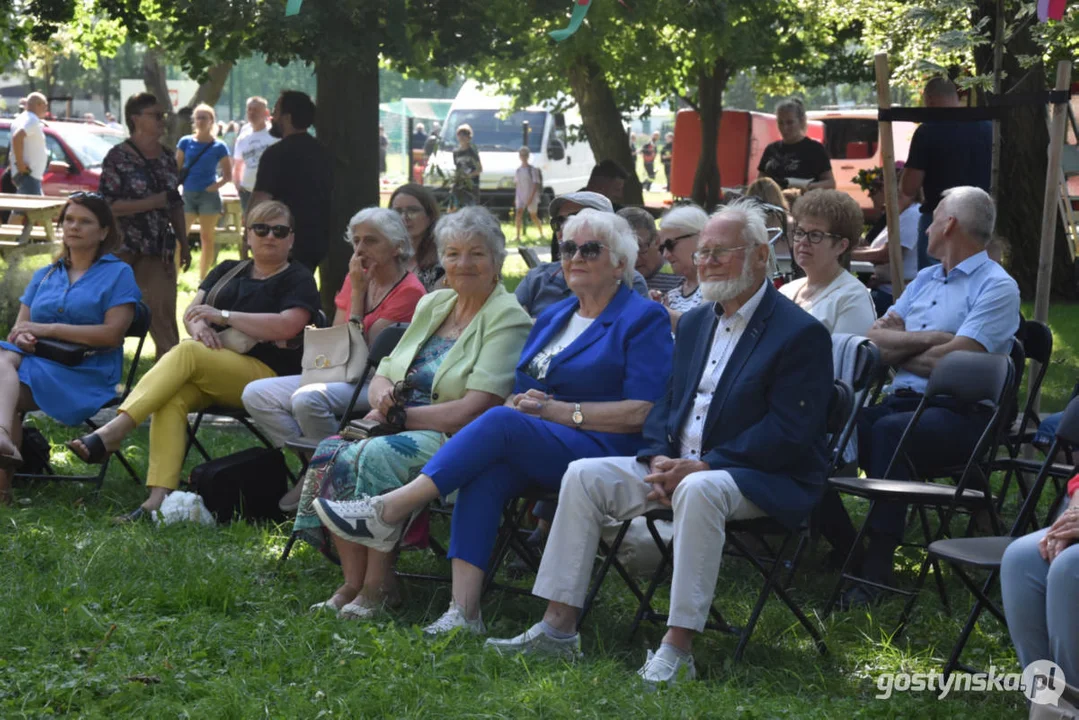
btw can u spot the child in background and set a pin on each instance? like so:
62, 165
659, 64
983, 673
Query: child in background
529, 182
467, 161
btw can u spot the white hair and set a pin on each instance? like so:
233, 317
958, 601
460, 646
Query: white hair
611, 230
754, 234
472, 222
684, 217
389, 225
973, 210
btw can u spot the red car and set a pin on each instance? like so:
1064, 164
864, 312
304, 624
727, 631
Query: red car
75, 155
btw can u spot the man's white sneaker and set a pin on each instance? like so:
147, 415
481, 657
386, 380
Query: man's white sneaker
455, 618
535, 641
359, 521
665, 667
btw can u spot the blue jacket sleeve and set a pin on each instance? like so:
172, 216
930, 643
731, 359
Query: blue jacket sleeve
648, 355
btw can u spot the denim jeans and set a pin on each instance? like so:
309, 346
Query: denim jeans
1039, 603
27, 184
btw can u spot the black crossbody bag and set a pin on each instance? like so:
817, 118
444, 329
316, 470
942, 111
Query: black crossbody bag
62, 351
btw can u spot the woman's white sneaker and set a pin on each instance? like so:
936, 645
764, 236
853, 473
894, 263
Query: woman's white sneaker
455, 618
359, 521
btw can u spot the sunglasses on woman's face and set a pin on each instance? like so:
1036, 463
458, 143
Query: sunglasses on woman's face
279, 231
669, 244
589, 251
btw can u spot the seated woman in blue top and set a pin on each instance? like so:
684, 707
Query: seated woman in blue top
86, 296
591, 369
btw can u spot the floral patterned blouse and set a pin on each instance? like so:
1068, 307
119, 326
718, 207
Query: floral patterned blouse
126, 176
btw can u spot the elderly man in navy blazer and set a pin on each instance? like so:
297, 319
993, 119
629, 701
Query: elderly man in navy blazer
740, 434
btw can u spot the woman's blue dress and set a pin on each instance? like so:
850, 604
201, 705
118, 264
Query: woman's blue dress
72, 394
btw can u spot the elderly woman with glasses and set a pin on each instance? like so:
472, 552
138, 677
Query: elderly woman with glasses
377, 292
680, 229
455, 360
241, 321
827, 223
591, 370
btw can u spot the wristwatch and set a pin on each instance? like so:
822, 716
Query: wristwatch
225, 315
577, 416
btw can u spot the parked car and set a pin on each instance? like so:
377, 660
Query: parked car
75, 154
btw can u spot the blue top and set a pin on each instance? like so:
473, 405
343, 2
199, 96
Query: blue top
951, 154
625, 354
72, 394
978, 299
204, 173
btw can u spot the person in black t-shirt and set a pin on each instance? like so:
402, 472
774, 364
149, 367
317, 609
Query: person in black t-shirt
298, 171
466, 159
796, 160
242, 323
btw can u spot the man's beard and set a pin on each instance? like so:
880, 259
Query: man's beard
721, 291
275, 129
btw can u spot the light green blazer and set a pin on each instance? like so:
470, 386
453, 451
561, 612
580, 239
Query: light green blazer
483, 358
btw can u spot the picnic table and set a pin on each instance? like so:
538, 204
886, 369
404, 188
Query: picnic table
39, 233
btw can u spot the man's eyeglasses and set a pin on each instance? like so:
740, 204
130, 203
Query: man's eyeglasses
410, 213
815, 237
669, 244
589, 251
559, 221
279, 231
715, 254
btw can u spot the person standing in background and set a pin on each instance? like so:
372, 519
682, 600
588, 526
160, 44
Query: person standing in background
29, 158
383, 149
648, 154
199, 156
666, 155
529, 182
466, 158
252, 142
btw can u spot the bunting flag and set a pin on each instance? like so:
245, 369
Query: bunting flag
1051, 10
580, 9
293, 7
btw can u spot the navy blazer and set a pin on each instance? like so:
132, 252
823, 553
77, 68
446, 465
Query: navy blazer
767, 421
624, 355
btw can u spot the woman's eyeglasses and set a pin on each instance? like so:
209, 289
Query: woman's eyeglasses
410, 213
589, 251
715, 254
279, 231
815, 237
669, 244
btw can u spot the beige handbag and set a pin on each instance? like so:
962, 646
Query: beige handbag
334, 354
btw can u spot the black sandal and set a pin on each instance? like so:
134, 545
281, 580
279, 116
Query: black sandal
139, 514
96, 453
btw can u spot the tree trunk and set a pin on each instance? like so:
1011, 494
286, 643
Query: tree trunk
711, 82
1023, 162
603, 122
179, 123
347, 124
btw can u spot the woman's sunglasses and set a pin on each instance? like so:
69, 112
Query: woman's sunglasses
279, 231
669, 244
589, 251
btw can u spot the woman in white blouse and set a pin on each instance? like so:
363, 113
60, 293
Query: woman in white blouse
827, 223
680, 230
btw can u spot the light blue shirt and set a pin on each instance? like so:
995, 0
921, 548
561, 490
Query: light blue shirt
978, 299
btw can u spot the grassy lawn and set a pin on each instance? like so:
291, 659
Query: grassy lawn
102, 621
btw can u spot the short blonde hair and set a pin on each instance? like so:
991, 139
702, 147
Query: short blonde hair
203, 107
269, 210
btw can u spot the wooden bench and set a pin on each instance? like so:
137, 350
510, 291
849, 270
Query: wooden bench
232, 215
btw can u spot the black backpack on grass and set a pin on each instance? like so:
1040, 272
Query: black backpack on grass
247, 484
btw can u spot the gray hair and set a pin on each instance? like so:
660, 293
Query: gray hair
684, 217
973, 210
794, 105
640, 220
611, 230
754, 229
389, 225
468, 223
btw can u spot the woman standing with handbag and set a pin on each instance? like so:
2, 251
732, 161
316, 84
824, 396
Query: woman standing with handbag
242, 316
200, 156
378, 291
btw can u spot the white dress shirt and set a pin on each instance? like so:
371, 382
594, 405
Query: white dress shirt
728, 332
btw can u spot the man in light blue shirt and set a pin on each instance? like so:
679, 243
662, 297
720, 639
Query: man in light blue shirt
967, 302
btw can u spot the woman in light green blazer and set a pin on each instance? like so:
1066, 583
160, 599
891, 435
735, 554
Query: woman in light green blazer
455, 361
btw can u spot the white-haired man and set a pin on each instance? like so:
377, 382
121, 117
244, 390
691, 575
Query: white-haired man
739, 434
967, 302
29, 156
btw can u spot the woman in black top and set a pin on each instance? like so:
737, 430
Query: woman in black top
241, 323
796, 161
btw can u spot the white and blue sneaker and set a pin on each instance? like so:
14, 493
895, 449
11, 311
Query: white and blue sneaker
359, 521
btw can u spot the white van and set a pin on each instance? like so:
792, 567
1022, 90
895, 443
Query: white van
498, 135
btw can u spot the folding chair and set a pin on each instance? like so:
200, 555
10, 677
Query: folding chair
511, 538
383, 345
969, 379
986, 553
530, 256
139, 328
841, 409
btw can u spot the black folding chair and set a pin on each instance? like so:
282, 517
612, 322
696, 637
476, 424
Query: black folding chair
530, 257
986, 553
381, 348
771, 567
139, 328
971, 380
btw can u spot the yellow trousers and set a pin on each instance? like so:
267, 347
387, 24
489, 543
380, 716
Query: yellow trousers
187, 379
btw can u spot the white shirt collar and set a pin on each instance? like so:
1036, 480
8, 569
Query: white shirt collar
746, 311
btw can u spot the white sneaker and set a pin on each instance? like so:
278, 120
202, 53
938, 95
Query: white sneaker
664, 667
356, 610
534, 641
455, 618
359, 521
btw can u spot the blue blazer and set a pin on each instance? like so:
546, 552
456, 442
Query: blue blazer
624, 355
767, 422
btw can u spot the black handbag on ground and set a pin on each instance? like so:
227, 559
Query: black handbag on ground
35, 452
247, 484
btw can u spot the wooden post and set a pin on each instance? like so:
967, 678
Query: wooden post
891, 187
998, 71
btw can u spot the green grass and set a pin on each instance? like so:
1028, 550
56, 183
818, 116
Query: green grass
102, 621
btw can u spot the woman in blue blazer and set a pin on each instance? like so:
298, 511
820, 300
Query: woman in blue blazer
591, 369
